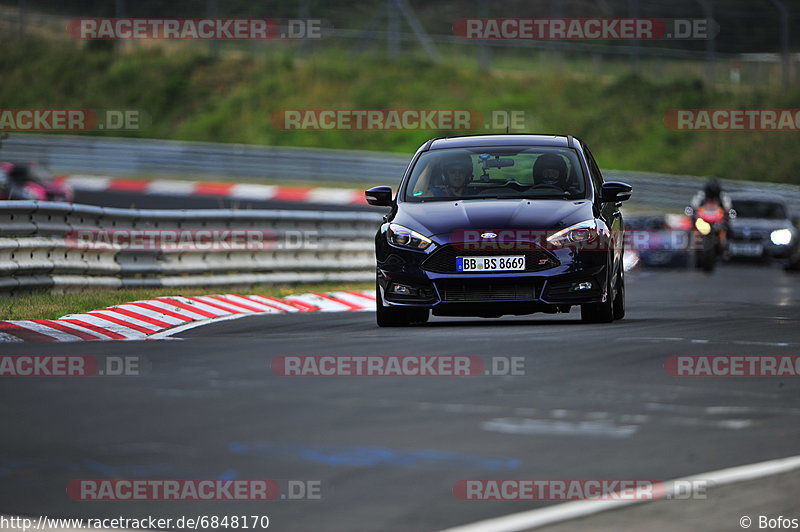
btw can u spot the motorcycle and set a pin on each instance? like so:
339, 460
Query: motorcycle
32, 182
708, 235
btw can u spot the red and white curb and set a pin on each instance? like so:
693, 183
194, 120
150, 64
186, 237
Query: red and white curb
141, 320
243, 191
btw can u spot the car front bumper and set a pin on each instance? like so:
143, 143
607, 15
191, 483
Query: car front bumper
566, 277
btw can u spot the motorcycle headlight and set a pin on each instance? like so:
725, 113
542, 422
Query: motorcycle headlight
406, 238
781, 237
703, 226
579, 233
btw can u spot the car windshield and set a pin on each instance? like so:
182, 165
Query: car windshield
501, 173
769, 210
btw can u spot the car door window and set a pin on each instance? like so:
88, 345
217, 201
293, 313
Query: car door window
594, 171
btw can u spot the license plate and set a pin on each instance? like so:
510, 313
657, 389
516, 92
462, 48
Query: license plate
490, 264
746, 250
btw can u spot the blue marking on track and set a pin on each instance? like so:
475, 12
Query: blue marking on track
360, 456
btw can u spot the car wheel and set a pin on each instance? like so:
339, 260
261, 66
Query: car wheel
599, 312
619, 298
397, 317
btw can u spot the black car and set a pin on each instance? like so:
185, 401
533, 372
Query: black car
761, 228
489, 225
657, 243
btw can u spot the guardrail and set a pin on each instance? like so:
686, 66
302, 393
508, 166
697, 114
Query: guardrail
56, 245
126, 157
119, 156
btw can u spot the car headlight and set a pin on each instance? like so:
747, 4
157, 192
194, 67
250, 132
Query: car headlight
703, 226
406, 238
781, 237
579, 233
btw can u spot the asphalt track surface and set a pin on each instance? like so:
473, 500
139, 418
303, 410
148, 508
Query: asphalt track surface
594, 402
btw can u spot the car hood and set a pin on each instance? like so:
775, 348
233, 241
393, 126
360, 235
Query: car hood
442, 217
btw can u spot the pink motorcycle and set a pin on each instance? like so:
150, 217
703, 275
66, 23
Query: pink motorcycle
32, 182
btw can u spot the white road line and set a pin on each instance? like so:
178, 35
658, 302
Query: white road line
559, 513
656, 340
553, 427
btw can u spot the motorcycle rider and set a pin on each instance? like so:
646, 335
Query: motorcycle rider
14, 183
712, 191
712, 195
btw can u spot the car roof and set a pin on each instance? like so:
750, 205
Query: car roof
503, 139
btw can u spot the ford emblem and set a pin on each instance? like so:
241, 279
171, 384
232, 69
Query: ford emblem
488, 235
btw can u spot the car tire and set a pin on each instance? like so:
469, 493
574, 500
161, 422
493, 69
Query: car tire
397, 317
599, 312
619, 298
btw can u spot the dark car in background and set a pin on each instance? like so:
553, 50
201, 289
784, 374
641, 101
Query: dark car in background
658, 240
762, 228
490, 225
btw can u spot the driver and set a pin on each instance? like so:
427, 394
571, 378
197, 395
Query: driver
550, 169
457, 173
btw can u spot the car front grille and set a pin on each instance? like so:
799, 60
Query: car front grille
483, 291
443, 260
748, 236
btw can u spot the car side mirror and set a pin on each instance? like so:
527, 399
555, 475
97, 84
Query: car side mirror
615, 191
379, 196
796, 221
